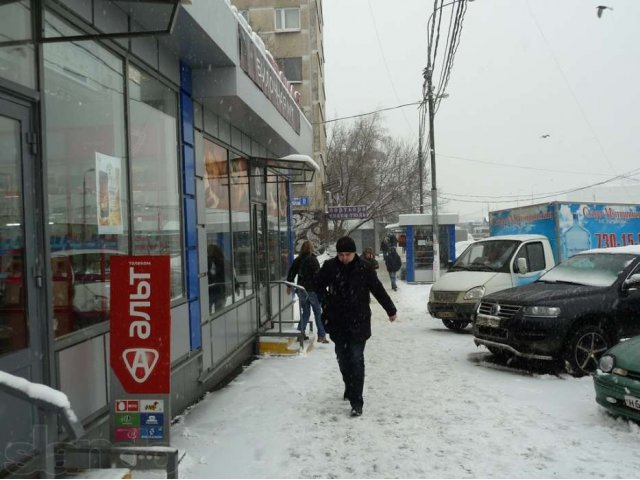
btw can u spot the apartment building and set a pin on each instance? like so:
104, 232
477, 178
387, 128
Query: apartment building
292, 31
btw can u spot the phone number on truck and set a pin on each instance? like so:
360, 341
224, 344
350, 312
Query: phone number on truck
617, 240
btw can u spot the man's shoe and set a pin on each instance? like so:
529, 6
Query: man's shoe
323, 340
356, 411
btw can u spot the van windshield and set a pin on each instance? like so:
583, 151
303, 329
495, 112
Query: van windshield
491, 256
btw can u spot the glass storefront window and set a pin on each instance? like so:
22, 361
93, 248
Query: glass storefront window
13, 318
283, 228
220, 273
87, 181
17, 52
240, 226
272, 230
153, 110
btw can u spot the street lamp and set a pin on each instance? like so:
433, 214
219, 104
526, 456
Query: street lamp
427, 92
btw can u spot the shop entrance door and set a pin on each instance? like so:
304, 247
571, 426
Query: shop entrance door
22, 333
261, 262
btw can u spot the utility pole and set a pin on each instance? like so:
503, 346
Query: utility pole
434, 190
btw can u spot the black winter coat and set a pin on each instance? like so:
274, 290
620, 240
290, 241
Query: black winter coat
393, 261
345, 308
306, 268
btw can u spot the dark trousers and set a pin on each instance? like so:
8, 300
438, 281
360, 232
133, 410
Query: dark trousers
350, 355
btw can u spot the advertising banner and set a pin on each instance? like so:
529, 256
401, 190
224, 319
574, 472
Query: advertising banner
108, 193
140, 355
572, 227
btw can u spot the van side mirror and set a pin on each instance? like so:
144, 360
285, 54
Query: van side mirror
633, 281
521, 265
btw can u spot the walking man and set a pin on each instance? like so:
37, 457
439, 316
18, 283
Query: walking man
393, 263
348, 281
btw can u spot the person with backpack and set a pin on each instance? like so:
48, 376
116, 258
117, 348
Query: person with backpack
306, 267
393, 263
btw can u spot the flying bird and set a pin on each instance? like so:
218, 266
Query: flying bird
546, 135
601, 8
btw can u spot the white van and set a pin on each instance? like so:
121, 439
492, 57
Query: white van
487, 266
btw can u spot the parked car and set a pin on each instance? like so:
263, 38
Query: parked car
574, 313
617, 383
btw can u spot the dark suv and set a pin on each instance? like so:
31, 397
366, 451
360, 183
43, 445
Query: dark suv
573, 313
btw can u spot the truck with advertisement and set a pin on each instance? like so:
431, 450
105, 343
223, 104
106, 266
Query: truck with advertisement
524, 242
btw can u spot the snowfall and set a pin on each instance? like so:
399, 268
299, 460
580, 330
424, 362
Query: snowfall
436, 406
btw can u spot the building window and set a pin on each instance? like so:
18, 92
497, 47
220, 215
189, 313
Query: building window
240, 227
292, 68
153, 109
86, 173
17, 61
287, 19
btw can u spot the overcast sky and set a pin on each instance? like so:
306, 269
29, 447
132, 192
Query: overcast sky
524, 69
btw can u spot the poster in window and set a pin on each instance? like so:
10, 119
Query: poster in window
108, 193
216, 181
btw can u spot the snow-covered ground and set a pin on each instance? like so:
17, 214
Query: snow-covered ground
435, 406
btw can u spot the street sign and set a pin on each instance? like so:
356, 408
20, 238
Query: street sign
140, 355
346, 213
299, 201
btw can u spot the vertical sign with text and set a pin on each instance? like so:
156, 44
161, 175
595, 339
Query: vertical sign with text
140, 355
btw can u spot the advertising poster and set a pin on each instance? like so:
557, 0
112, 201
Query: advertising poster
140, 350
216, 180
534, 220
108, 194
596, 225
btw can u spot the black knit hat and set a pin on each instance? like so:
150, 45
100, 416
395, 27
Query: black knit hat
345, 244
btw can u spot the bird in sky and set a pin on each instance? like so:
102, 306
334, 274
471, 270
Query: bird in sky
602, 8
546, 135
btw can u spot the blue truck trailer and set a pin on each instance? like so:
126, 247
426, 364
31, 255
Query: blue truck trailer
572, 227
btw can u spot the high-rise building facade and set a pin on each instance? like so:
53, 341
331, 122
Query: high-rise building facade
292, 30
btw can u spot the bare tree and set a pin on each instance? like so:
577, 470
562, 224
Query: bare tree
365, 166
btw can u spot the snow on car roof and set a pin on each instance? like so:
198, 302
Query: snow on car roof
632, 249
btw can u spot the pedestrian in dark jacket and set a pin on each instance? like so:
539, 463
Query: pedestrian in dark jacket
348, 281
393, 263
306, 267
369, 257
384, 247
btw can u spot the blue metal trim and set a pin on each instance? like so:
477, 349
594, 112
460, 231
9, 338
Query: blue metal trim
410, 267
186, 110
185, 78
189, 204
191, 234
189, 173
195, 332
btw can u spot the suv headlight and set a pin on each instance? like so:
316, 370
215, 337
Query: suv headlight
536, 311
607, 362
476, 293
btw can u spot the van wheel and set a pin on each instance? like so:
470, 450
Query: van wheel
585, 347
457, 325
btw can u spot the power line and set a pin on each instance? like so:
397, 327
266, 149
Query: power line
542, 196
487, 162
368, 113
384, 60
566, 81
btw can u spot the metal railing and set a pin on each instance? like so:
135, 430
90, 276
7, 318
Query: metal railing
279, 332
44, 399
47, 456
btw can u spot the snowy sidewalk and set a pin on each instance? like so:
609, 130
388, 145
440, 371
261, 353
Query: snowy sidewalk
435, 406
